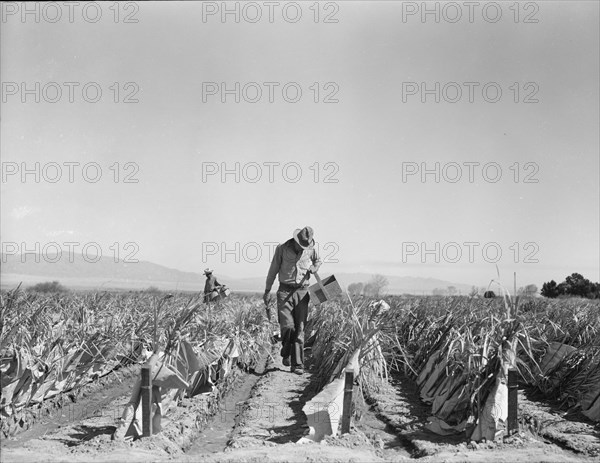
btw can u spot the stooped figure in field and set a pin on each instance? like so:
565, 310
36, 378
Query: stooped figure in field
212, 287
293, 261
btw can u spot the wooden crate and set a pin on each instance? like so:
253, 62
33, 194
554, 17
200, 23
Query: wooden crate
332, 288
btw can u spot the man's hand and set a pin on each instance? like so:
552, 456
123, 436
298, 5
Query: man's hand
313, 269
267, 297
267, 301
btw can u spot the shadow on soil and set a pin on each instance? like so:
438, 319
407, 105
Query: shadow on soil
84, 433
551, 421
408, 421
260, 373
298, 425
555, 408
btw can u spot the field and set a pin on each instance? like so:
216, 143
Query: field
431, 379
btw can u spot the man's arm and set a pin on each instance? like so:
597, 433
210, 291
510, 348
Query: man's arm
274, 268
273, 271
316, 262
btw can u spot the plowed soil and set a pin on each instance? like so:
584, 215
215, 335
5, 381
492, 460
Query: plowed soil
260, 419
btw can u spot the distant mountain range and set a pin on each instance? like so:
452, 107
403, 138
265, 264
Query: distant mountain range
107, 274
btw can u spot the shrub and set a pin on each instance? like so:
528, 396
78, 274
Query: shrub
49, 287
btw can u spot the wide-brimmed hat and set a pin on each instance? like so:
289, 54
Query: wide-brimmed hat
207, 271
304, 237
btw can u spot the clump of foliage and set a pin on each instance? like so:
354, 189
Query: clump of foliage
375, 288
49, 287
574, 285
152, 290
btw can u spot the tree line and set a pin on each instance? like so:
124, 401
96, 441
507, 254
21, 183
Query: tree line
373, 288
573, 285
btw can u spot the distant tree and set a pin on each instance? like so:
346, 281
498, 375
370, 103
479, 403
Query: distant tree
152, 290
49, 287
451, 290
577, 285
354, 289
521, 291
378, 283
438, 292
369, 290
529, 290
550, 289
563, 289
595, 291
574, 285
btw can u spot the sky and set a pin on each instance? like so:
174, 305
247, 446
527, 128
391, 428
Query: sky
191, 178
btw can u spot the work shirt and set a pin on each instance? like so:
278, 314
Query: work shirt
290, 266
211, 283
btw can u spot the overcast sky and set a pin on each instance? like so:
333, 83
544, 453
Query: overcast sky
377, 67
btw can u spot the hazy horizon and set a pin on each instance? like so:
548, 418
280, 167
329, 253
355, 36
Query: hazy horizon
105, 273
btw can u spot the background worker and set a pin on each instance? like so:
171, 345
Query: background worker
211, 285
293, 261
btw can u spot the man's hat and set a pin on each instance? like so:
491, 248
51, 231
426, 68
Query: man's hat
207, 271
304, 237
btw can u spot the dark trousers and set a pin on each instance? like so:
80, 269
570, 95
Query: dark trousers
292, 315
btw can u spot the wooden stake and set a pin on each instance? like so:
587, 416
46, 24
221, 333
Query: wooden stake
155, 337
513, 406
146, 395
516, 296
347, 407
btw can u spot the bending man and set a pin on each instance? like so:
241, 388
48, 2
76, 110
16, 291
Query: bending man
293, 261
211, 285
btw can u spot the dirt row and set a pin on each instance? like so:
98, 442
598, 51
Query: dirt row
398, 404
84, 431
271, 425
257, 416
568, 429
70, 406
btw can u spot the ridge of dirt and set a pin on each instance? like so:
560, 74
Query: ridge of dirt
577, 434
89, 437
215, 435
271, 424
70, 406
399, 404
273, 414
